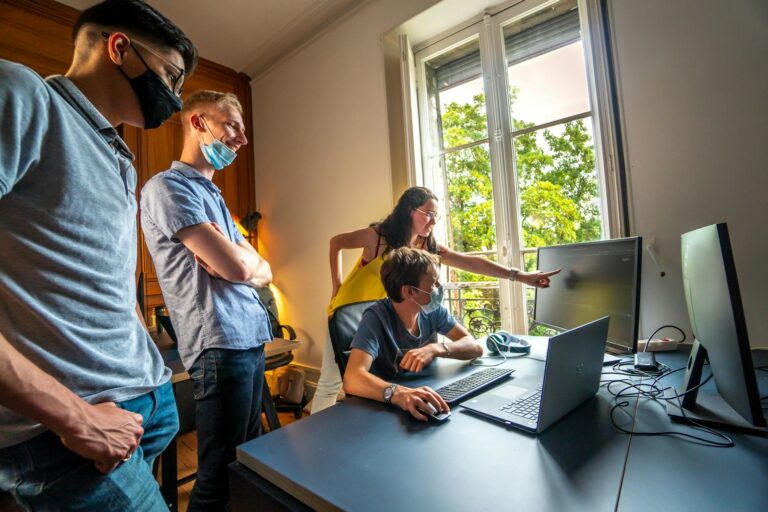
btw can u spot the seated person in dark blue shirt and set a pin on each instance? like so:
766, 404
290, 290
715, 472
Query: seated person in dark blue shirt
397, 334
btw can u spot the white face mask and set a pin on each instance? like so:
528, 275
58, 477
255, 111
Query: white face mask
435, 299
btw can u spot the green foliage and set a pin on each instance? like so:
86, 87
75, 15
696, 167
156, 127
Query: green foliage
557, 188
557, 183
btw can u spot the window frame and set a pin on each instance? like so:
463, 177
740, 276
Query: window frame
489, 31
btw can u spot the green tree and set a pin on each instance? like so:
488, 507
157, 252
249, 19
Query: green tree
557, 187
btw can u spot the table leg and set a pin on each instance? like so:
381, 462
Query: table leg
268, 406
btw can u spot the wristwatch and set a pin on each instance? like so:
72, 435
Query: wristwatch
445, 346
389, 392
513, 273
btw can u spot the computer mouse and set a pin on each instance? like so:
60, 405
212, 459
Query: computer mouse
436, 415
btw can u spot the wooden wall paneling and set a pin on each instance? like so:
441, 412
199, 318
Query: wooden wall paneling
37, 34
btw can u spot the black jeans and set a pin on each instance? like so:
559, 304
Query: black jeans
227, 387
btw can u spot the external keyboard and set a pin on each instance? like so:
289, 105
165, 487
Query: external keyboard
526, 406
463, 388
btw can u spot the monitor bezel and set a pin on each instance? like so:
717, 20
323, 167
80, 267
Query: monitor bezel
611, 346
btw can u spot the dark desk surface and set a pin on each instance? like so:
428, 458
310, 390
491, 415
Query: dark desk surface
365, 455
669, 473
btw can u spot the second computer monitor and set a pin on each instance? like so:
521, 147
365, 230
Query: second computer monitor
597, 279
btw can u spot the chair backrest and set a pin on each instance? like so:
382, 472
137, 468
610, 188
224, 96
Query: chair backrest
342, 326
279, 330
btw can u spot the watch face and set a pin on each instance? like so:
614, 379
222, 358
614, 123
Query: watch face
388, 391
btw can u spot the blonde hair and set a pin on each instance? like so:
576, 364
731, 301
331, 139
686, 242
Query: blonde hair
205, 97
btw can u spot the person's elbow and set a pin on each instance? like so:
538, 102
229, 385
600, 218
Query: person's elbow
351, 382
477, 349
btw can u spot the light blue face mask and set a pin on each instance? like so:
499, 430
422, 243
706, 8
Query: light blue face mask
435, 299
218, 154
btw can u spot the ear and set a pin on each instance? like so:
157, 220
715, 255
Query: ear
196, 122
406, 291
117, 47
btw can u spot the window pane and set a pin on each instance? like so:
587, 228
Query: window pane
456, 97
471, 223
549, 87
558, 185
545, 65
470, 228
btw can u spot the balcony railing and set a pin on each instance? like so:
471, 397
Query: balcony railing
475, 305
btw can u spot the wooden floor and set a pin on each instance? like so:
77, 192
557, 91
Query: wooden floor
186, 461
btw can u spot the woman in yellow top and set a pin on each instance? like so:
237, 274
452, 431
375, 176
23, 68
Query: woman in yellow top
409, 225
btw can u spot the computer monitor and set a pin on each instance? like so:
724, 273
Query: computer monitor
598, 279
720, 336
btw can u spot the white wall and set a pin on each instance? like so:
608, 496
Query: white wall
694, 79
322, 158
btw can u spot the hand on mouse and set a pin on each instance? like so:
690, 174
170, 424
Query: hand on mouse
419, 402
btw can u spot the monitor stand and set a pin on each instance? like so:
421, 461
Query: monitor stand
706, 408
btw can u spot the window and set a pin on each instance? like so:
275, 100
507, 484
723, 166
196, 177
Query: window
508, 144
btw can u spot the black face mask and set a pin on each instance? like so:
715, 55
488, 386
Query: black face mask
157, 101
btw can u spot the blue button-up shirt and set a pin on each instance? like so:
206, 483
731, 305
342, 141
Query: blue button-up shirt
206, 312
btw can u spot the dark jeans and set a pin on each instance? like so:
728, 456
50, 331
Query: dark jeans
227, 386
44, 475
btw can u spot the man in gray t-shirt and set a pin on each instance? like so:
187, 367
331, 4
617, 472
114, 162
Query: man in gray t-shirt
81, 382
396, 334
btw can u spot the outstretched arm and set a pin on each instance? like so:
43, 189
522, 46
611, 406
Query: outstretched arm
486, 267
103, 433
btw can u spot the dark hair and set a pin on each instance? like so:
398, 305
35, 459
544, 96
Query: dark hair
396, 228
141, 20
405, 266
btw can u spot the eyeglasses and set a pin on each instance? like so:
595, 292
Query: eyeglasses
175, 76
430, 215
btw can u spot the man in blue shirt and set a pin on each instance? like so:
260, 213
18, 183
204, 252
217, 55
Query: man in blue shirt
397, 334
208, 273
85, 399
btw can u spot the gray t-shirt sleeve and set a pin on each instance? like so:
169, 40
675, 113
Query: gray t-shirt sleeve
444, 320
368, 334
171, 205
24, 109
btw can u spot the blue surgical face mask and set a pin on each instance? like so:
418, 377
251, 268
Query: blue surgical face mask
218, 154
435, 299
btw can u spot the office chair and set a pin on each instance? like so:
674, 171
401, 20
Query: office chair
342, 326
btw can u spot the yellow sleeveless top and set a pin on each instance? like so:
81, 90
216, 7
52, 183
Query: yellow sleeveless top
363, 283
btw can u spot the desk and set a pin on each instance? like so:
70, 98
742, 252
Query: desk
179, 375
666, 473
363, 455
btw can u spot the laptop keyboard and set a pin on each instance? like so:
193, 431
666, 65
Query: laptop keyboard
527, 406
462, 388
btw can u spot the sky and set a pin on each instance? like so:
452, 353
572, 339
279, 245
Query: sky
551, 86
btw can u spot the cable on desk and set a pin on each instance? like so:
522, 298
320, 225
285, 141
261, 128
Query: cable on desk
655, 392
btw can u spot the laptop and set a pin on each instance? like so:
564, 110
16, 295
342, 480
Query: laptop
571, 377
539, 346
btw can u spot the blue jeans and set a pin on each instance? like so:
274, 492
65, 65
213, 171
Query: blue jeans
44, 475
227, 387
